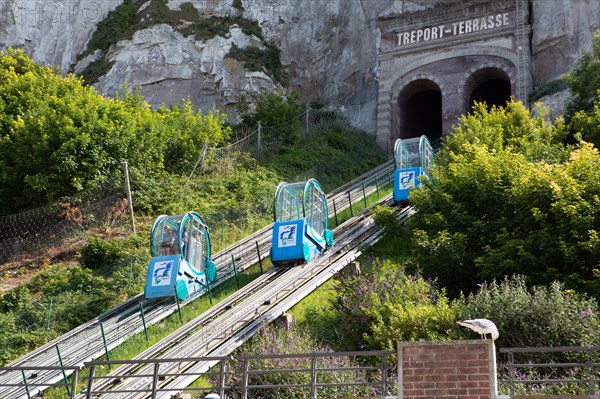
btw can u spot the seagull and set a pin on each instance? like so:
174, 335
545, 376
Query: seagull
481, 326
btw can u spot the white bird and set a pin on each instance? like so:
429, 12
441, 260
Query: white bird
481, 326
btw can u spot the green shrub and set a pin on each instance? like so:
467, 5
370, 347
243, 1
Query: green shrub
273, 111
256, 59
98, 253
551, 87
384, 305
59, 137
537, 316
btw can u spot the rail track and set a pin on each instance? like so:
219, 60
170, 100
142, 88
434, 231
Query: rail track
220, 330
105, 332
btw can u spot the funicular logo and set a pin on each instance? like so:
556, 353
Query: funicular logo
406, 180
287, 236
162, 273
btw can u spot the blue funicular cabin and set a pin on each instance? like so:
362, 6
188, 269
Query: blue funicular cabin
300, 231
180, 263
412, 158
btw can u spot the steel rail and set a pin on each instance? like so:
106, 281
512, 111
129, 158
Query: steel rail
85, 342
233, 329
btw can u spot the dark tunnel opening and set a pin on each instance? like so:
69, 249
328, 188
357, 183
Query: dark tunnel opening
421, 111
492, 92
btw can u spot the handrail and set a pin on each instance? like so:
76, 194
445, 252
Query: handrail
546, 376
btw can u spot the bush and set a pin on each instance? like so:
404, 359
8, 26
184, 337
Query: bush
59, 137
384, 305
98, 253
508, 197
273, 111
540, 316
256, 59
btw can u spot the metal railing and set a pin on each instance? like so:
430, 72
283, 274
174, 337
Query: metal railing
549, 370
35, 388
313, 375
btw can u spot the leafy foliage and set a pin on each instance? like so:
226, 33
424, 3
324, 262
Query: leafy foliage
508, 198
584, 80
587, 125
541, 316
384, 305
554, 86
271, 110
257, 59
59, 137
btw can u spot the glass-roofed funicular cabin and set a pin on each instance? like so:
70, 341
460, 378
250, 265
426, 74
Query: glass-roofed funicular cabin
180, 263
412, 158
301, 217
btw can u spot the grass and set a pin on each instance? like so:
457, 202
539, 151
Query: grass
312, 312
358, 206
334, 155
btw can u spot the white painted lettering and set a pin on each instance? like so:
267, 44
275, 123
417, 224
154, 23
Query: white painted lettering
483, 25
455, 28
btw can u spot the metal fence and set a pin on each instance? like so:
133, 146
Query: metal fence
57, 228
549, 370
312, 375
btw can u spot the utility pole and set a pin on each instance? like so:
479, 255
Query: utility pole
128, 191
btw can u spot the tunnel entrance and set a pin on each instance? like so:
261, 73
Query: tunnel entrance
489, 85
420, 105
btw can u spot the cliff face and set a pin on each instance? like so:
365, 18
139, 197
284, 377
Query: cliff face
562, 30
52, 32
328, 48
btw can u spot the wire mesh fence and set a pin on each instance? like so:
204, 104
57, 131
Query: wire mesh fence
56, 229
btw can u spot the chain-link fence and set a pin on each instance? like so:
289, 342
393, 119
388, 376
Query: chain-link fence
56, 229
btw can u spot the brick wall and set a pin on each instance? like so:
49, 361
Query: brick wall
449, 369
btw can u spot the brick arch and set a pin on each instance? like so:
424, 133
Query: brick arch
400, 122
401, 83
507, 69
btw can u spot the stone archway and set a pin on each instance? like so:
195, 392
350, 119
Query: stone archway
481, 38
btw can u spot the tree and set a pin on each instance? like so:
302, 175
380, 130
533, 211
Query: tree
584, 81
506, 197
58, 137
274, 111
